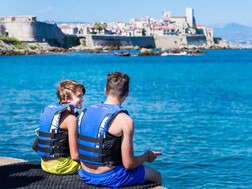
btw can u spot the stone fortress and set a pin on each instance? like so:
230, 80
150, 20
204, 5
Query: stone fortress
168, 32
27, 28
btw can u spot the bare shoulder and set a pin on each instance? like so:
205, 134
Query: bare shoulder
71, 119
123, 117
67, 121
124, 120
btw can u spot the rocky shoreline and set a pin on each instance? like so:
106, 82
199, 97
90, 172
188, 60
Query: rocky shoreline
9, 52
9, 49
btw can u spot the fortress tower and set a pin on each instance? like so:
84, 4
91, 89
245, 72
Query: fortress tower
27, 28
167, 14
190, 17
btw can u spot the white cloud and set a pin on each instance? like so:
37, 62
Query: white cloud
45, 10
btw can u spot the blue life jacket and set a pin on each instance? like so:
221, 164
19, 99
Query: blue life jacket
52, 140
95, 144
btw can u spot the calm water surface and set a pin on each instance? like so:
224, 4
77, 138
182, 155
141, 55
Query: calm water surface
196, 110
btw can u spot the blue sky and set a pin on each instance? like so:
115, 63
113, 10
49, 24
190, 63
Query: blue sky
211, 13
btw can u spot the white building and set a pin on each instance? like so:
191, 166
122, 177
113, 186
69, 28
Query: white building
190, 17
179, 20
169, 30
167, 14
68, 29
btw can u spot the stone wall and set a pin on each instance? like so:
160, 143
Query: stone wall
48, 32
18, 27
196, 40
97, 40
170, 42
89, 41
26, 28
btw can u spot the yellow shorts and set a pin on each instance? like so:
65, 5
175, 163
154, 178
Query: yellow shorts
61, 166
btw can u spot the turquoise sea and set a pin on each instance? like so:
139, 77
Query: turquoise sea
196, 110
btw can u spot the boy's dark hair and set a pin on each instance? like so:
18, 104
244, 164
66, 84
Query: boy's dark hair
117, 84
68, 88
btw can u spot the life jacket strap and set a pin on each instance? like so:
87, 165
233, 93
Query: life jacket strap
88, 148
55, 151
89, 139
48, 135
99, 150
91, 158
51, 143
53, 135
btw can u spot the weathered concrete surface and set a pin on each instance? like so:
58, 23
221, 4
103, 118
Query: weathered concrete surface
158, 42
9, 160
107, 40
169, 42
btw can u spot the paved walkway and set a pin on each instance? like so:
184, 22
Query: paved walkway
9, 160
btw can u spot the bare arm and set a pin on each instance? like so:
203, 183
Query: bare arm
71, 124
130, 161
35, 145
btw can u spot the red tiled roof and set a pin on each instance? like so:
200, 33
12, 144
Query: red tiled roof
64, 26
157, 24
128, 29
199, 25
209, 29
178, 17
166, 18
168, 28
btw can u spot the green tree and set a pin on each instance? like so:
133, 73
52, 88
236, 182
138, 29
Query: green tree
100, 26
104, 26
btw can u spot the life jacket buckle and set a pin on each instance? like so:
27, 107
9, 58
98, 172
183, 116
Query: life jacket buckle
53, 134
52, 142
52, 150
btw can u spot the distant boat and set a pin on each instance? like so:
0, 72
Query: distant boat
176, 54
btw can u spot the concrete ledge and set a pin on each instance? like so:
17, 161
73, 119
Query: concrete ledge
9, 160
35, 174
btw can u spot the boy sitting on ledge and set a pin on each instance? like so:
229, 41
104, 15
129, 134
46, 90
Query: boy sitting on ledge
106, 141
56, 142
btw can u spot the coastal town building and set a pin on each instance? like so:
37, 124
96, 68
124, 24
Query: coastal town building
169, 31
128, 31
147, 26
68, 29
190, 17
116, 28
74, 29
156, 29
168, 25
